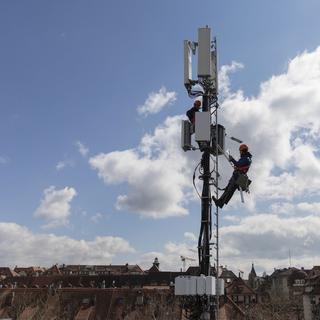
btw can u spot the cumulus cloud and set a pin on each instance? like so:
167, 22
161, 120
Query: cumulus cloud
283, 208
83, 150
309, 207
281, 124
55, 206
264, 238
96, 217
170, 257
289, 208
224, 77
22, 247
156, 101
157, 172
63, 164
190, 236
282, 127
267, 238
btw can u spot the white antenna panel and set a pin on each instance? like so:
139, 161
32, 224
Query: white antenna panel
204, 52
187, 62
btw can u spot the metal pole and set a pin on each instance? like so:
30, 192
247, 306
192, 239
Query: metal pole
216, 105
217, 216
209, 82
205, 204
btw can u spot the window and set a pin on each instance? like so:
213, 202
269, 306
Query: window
299, 282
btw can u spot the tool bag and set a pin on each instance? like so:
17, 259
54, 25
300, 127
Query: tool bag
243, 182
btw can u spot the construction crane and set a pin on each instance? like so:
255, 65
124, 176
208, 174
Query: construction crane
184, 259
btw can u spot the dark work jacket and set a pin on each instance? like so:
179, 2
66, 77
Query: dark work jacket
191, 114
243, 164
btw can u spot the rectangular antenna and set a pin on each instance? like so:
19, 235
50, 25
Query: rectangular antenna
204, 52
214, 71
186, 128
187, 62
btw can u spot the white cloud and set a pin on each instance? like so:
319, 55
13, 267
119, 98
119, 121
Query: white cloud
156, 101
157, 172
190, 236
281, 124
55, 206
63, 164
96, 217
264, 239
170, 257
224, 80
310, 207
282, 127
267, 238
296, 209
283, 208
231, 218
19, 246
83, 150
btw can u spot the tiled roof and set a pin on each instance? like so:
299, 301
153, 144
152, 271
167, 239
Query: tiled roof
154, 268
239, 283
227, 274
126, 268
7, 272
28, 313
85, 314
29, 270
283, 272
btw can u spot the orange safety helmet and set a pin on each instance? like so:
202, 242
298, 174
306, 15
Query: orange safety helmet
197, 103
243, 148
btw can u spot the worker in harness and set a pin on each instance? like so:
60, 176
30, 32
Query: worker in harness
191, 113
241, 167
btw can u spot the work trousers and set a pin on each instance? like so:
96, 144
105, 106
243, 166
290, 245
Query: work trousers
230, 189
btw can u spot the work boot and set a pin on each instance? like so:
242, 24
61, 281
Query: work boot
217, 202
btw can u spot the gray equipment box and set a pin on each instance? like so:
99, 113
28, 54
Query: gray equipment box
202, 285
221, 138
202, 126
186, 131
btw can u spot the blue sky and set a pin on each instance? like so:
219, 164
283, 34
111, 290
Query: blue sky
74, 73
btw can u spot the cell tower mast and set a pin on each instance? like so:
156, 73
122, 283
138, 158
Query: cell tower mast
209, 136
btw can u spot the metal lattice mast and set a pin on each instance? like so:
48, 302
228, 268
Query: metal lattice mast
216, 242
216, 191
206, 238
206, 223
208, 135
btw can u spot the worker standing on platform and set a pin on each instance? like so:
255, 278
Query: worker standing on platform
191, 113
240, 167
